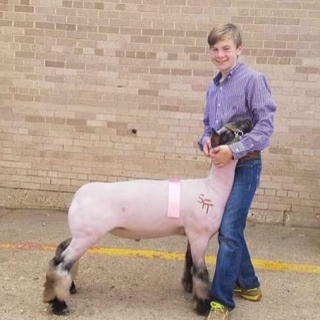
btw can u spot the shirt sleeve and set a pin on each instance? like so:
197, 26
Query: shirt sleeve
262, 109
206, 121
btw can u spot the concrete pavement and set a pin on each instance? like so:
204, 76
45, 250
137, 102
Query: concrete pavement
123, 279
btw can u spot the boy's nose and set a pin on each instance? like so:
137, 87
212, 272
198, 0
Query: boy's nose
220, 53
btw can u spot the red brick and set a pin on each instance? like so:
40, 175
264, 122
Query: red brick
65, 26
28, 9
55, 64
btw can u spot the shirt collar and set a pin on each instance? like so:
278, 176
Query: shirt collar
218, 77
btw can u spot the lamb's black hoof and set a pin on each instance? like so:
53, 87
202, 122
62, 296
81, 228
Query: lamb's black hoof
202, 307
58, 307
73, 289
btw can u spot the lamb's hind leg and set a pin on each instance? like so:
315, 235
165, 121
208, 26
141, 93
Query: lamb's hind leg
57, 285
200, 275
59, 276
74, 270
187, 274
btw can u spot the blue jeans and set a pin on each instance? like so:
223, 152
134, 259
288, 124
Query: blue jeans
234, 264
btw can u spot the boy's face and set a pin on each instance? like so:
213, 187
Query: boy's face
224, 55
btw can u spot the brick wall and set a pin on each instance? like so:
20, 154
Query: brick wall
114, 90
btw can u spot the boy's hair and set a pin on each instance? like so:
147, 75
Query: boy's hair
225, 31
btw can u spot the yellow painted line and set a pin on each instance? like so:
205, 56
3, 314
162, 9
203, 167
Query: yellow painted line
150, 254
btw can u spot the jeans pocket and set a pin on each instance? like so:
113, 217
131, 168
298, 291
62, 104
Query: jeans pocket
250, 171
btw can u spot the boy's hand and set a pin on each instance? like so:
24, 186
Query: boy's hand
221, 155
206, 147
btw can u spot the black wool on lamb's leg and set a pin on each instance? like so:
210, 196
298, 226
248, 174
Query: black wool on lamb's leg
73, 289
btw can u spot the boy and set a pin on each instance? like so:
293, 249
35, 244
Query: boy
236, 92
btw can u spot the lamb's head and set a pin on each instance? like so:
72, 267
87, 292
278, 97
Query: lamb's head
231, 132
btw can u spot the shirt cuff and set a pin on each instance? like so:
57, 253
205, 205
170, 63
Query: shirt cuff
237, 150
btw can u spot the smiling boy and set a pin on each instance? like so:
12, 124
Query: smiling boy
236, 92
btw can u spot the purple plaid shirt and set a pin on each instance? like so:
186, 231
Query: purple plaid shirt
243, 94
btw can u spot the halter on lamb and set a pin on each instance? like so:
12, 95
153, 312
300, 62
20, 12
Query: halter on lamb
138, 210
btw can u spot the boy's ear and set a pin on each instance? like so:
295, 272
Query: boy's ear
215, 139
239, 51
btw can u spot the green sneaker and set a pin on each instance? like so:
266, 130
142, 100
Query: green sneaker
218, 312
254, 294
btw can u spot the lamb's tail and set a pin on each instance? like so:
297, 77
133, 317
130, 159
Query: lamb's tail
60, 275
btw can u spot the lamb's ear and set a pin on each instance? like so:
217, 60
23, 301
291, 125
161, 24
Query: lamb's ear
215, 139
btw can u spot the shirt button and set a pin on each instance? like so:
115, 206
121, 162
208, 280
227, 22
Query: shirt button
220, 88
219, 104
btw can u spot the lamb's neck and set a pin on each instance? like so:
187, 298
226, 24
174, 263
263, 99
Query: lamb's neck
222, 177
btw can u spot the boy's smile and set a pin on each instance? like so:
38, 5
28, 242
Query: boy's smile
224, 55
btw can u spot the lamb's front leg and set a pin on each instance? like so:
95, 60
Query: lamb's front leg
200, 275
187, 274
